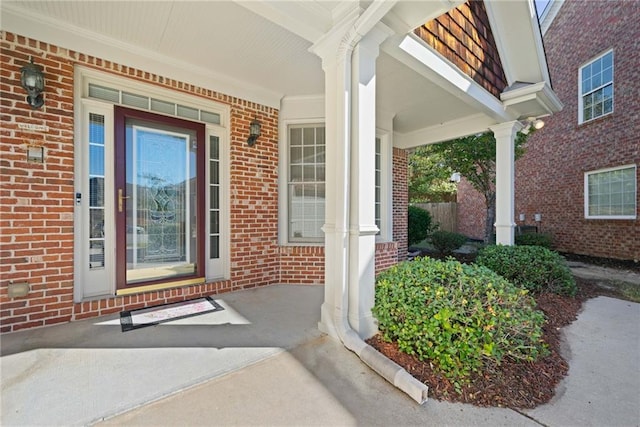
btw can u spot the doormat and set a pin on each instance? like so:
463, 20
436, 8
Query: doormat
143, 317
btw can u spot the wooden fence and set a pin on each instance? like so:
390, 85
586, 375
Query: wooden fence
444, 214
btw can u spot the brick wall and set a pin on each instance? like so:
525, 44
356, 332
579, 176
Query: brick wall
36, 199
463, 36
37, 205
472, 211
302, 265
550, 176
400, 201
386, 255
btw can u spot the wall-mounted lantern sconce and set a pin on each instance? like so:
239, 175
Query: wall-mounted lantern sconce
254, 132
32, 81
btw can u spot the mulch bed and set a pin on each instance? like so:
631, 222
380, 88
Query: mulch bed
511, 384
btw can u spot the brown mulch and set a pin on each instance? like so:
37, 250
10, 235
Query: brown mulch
510, 384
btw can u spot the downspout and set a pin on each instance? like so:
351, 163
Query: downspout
388, 369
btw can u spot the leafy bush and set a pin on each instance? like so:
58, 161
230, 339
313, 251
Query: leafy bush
534, 239
419, 225
446, 241
457, 316
534, 268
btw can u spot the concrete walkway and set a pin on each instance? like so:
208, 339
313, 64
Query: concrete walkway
262, 361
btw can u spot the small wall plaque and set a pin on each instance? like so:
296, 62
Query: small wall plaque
33, 127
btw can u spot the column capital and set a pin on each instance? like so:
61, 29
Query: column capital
506, 129
344, 38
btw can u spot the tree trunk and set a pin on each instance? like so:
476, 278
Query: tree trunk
490, 200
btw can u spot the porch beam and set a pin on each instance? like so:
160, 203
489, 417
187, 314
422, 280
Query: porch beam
458, 128
505, 134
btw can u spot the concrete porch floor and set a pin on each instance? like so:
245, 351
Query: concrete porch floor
262, 361
81, 372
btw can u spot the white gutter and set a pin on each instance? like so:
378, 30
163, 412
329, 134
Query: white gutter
388, 369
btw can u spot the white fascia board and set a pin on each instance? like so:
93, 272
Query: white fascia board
70, 37
414, 53
550, 14
458, 128
518, 39
543, 96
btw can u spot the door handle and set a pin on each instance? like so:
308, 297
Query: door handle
120, 199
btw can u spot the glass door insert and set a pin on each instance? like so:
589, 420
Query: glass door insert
158, 202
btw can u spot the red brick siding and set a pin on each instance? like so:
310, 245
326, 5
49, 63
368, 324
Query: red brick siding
472, 211
386, 255
550, 176
36, 199
254, 199
463, 36
302, 265
400, 201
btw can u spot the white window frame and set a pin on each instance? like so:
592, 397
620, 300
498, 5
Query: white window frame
581, 95
386, 232
386, 187
586, 193
285, 216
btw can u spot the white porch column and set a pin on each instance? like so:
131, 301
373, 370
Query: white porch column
362, 226
336, 63
505, 134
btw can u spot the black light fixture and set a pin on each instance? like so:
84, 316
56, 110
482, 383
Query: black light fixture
32, 81
254, 132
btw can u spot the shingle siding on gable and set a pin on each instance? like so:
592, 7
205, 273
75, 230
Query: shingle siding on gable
464, 37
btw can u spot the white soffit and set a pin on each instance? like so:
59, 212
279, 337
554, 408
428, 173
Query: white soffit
425, 61
196, 42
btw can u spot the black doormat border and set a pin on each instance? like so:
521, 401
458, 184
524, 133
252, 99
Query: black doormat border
127, 323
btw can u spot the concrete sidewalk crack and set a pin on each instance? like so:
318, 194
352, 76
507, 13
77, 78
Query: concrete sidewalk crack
524, 414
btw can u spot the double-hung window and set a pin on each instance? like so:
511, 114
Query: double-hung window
306, 183
611, 193
306, 168
596, 88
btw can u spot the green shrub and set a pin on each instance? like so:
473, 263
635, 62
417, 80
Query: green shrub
446, 241
457, 316
534, 239
534, 268
419, 225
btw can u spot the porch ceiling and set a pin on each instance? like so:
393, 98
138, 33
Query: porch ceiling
253, 50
